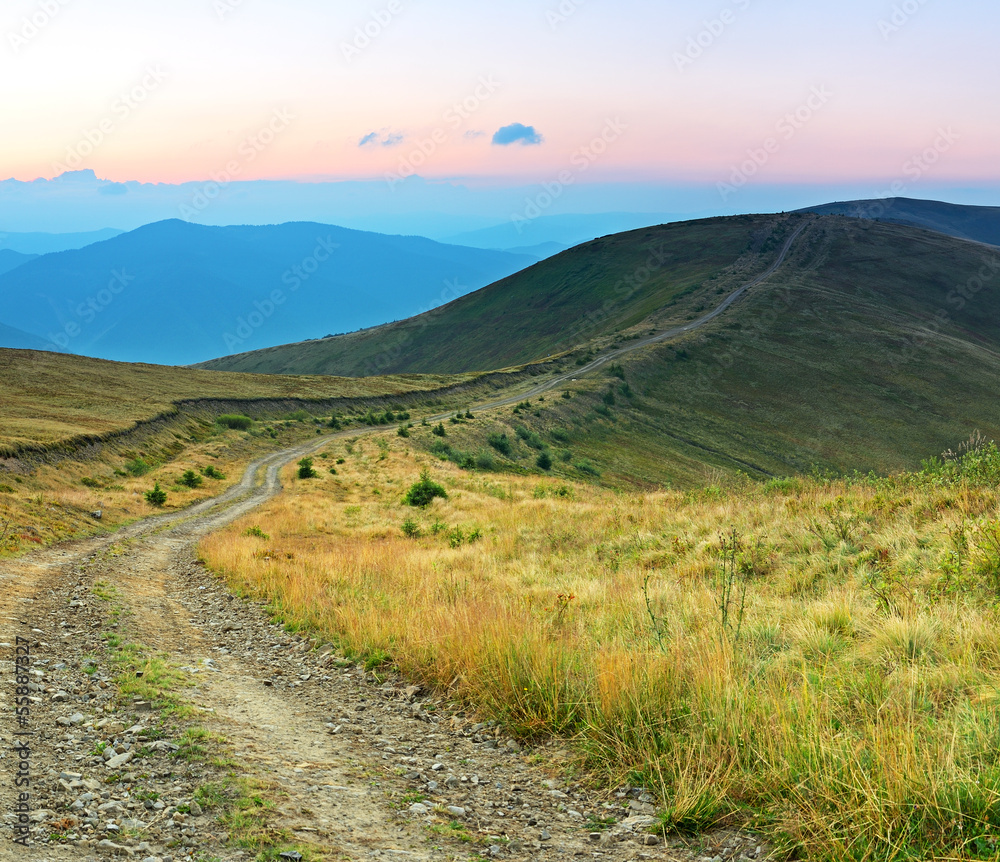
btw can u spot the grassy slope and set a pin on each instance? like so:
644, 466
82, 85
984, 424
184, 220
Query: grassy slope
601, 287
981, 224
50, 396
850, 714
831, 363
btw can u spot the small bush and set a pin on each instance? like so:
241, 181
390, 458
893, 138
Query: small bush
567, 395
306, 470
333, 471
500, 442
560, 435
156, 497
438, 430
235, 422
403, 430
334, 423
212, 473
88, 482
522, 432
257, 533
299, 416
190, 479
544, 460
584, 465
609, 398
422, 493
485, 460
137, 467
411, 529
468, 414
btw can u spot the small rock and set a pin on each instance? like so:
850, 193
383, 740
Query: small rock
418, 810
456, 811
119, 760
544, 835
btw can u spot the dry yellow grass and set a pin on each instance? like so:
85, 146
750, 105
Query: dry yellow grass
47, 397
850, 714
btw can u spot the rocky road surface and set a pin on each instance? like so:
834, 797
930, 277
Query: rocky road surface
357, 766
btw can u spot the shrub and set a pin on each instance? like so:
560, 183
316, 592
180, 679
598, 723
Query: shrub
468, 414
584, 465
333, 471
190, 479
500, 442
89, 482
256, 532
137, 467
534, 441
306, 470
544, 460
560, 435
299, 416
334, 423
566, 394
438, 430
522, 432
403, 430
235, 422
485, 460
410, 529
212, 473
565, 455
422, 493
156, 497
609, 398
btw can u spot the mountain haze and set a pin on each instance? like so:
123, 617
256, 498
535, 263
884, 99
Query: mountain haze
175, 293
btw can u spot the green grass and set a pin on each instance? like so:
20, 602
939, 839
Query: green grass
50, 397
824, 367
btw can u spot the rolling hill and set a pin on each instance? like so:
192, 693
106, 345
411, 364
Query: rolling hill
873, 347
981, 224
13, 259
175, 293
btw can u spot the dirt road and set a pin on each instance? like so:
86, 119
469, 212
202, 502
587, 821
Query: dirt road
354, 766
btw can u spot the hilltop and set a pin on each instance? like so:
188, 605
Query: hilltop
980, 224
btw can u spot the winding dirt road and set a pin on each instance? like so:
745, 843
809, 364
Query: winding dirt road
344, 758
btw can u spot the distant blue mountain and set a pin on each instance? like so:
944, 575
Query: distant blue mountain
13, 259
177, 293
565, 230
45, 243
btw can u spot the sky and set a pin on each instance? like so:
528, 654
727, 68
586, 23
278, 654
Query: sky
727, 94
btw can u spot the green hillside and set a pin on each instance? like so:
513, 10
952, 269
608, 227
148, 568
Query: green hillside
860, 353
605, 286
